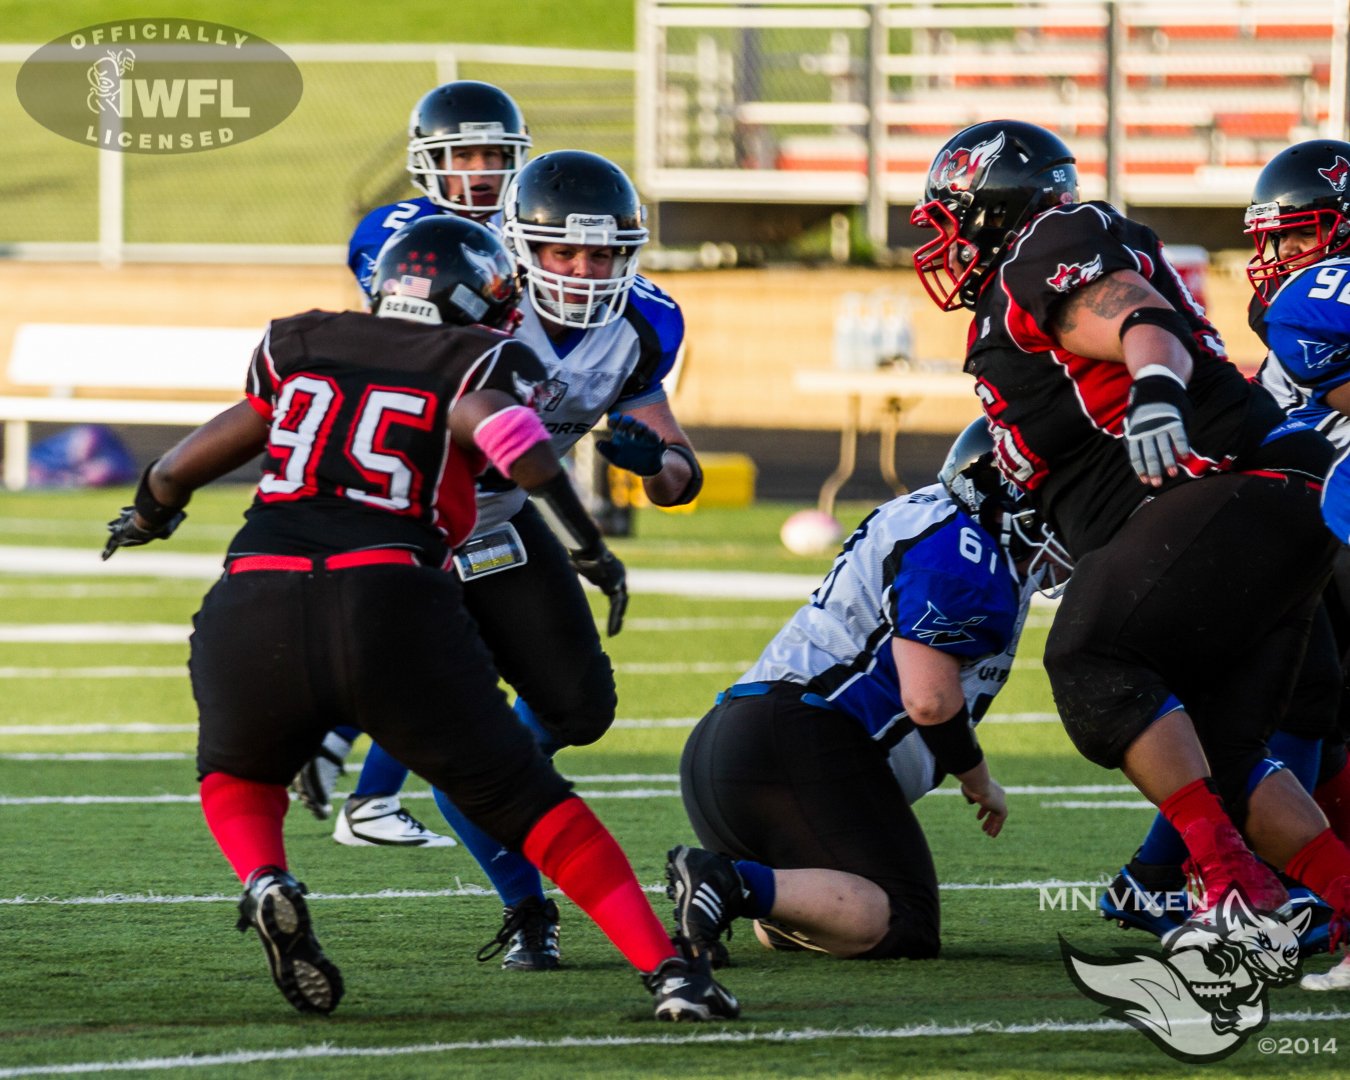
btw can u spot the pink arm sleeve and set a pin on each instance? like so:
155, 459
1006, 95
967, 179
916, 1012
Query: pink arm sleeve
507, 434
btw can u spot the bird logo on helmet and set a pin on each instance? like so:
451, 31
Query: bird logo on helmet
962, 169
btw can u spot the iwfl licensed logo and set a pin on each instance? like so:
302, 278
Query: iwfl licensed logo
1205, 995
159, 86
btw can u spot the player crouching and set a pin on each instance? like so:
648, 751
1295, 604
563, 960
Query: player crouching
334, 604
800, 779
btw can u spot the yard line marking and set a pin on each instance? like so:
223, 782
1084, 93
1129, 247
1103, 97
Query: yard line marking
175, 672
713, 1038
96, 633
94, 729
1068, 789
462, 890
78, 591
100, 755
749, 622
1028, 665
719, 667
1021, 718
627, 778
1110, 804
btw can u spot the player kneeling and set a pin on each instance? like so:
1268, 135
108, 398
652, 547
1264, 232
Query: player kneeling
800, 780
334, 604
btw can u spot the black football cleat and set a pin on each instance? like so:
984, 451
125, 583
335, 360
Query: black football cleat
274, 905
1146, 897
529, 934
685, 990
314, 783
709, 896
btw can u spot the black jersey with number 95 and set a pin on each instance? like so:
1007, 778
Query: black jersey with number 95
359, 453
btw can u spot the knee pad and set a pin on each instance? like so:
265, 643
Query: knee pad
907, 938
589, 712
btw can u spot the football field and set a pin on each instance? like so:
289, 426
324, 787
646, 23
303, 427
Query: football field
118, 951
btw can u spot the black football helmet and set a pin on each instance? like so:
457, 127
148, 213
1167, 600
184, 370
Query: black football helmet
575, 197
445, 270
465, 113
1003, 510
983, 187
1303, 185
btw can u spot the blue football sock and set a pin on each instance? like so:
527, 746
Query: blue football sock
1163, 846
549, 744
759, 880
513, 876
380, 775
351, 734
1300, 756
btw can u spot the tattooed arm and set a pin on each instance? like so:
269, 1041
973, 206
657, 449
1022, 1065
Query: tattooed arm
1087, 322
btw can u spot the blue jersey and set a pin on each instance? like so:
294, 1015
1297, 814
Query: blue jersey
1308, 329
378, 226
917, 568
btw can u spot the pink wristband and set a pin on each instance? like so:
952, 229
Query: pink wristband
505, 435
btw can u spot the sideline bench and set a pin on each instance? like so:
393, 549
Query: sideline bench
164, 359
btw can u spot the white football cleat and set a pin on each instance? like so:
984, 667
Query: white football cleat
1338, 978
380, 820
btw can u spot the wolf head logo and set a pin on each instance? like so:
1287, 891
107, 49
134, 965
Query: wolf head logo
1338, 174
495, 269
965, 170
1072, 275
1206, 994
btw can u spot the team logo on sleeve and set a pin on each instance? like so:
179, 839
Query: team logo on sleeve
1318, 354
964, 170
1074, 274
937, 630
1338, 174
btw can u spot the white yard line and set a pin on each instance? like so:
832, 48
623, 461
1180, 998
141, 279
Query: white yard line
716, 667
96, 633
100, 755
1109, 804
178, 671
709, 1038
95, 729
101, 899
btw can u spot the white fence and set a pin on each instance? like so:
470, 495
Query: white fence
848, 102
293, 194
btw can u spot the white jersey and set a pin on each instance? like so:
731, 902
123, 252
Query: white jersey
920, 569
590, 374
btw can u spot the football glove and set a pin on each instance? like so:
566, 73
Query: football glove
1155, 425
126, 533
633, 446
607, 574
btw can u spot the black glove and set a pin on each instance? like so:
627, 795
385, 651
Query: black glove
126, 533
1155, 425
607, 574
632, 445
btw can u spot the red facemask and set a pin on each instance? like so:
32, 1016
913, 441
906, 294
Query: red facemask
1267, 269
947, 261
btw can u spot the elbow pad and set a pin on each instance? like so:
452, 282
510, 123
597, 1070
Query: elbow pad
695, 484
1169, 319
568, 518
953, 743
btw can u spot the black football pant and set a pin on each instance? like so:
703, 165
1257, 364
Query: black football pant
774, 780
538, 626
1208, 593
280, 657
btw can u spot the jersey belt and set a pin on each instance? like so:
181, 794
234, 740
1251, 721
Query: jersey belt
345, 561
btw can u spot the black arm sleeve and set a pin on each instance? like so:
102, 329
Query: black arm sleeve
568, 517
953, 743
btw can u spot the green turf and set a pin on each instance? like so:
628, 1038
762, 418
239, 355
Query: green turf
99, 983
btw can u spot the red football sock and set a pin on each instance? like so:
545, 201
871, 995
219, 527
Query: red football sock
571, 846
1334, 799
1323, 865
1217, 848
245, 818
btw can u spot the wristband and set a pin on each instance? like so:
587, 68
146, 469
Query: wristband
953, 743
695, 484
568, 517
153, 512
1168, 319
507, 434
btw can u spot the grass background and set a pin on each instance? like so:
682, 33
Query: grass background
110, 982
